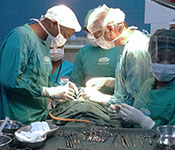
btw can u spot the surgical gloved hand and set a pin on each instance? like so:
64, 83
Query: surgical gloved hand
135, 116
61, 92
93, 95
114, 112
98, 83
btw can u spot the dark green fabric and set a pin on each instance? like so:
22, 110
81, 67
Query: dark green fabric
94, 62
160, 103
25, 67
1, 105
87, 110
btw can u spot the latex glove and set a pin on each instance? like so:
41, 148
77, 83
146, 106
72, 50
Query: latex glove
135, 116
114, 112
61, 92
93, 95
73, 87
98, 83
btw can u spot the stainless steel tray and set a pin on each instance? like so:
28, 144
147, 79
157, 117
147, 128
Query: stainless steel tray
104, 138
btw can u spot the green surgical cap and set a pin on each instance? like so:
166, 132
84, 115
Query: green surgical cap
162, 39
87, 17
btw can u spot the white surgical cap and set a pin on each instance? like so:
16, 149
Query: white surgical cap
114, 16
103, 15
172, 21
96, 18
64, 16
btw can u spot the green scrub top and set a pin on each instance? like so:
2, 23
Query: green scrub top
133, 68
94, 62
157, 104
25, 67
63, 71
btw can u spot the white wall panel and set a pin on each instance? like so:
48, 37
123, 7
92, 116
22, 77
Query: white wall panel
157, 15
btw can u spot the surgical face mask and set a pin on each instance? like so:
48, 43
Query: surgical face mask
92, 40
57, 41
111, 44
163, 72
105, 44
56, 54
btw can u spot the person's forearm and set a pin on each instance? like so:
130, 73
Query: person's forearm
110, 83
24, 87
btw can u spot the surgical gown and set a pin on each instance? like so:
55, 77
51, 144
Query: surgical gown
94, 62
133, 68
25, 67
157, 104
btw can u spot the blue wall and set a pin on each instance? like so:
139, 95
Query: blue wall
17, 12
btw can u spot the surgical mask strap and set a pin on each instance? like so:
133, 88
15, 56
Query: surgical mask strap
156, 47
59, 30
129, 28
41, 25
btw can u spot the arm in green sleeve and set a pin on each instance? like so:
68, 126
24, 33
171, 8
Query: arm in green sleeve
172, 121
132, 70
14, 72
52, 84
120, 91
77, 75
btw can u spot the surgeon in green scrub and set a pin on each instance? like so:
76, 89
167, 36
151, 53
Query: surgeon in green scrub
25, 65
154, 105
91, 61
94, 61
133, 64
